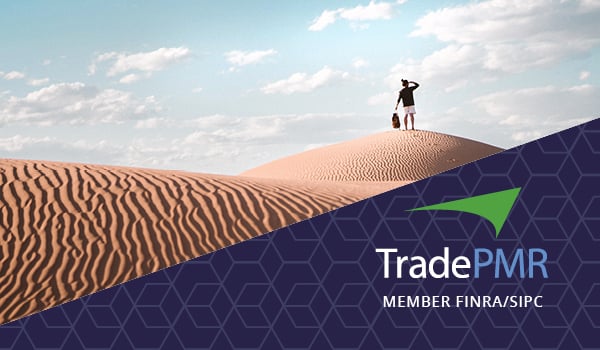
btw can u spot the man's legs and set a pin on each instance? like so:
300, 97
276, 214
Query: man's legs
412, 120
406, 121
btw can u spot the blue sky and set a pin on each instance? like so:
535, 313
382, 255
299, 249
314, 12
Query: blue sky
223, 86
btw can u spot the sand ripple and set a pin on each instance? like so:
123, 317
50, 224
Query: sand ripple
389, 156
67, 230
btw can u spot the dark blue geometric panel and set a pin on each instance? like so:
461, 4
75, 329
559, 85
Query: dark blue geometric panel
319, 284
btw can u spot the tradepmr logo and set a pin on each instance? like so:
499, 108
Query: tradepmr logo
489, 262
493, 206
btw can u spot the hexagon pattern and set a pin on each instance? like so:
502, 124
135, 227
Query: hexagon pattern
319, 284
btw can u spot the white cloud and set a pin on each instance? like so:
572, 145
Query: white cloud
197, 90
13, 75
504, 21
448, 68
583, 75
242, 58
312, 146
217, 129
514, 35
147, 62
153, 123
38, 82
532, 112
75, 103
258, 139
372, 11
269, 129
488, 39
52, 148
199, 144
303, 82
514, 116
326, 18
584, 89
526, 136
129, 78
103, 57
359, 63
46, 62
151, 152
384, 98
587, 5
18, 142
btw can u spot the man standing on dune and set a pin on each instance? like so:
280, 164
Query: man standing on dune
408, 101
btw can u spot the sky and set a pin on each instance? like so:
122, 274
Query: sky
224, 86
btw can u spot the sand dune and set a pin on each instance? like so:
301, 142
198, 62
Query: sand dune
389, 156
68, 230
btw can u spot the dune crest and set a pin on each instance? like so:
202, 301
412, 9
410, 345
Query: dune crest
404, 156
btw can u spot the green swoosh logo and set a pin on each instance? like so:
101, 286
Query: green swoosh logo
491, 206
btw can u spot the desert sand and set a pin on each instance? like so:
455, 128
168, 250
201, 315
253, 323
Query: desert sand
68, 230
391, 156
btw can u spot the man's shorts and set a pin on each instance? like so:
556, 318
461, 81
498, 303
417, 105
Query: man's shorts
409, 110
